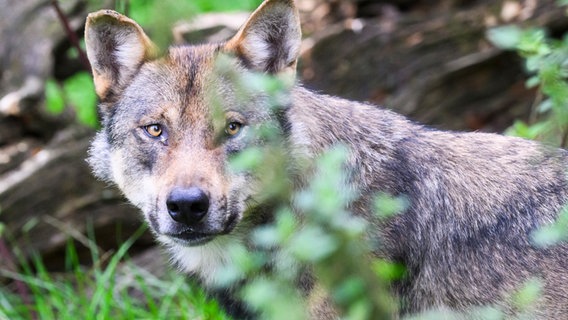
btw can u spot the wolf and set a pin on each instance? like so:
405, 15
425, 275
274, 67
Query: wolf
474, 199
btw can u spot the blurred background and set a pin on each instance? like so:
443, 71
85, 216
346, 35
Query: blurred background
428, 59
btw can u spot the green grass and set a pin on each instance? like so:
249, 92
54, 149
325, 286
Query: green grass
114, 288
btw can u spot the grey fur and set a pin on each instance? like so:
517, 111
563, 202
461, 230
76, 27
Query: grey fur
475, 199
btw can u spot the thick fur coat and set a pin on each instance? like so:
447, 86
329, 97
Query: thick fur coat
474, 199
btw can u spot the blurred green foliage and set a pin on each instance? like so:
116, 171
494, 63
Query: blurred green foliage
546, 61
54, 99
317, 232
554, 233
112, 288
77, 91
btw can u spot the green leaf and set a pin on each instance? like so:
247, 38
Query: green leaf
313, 244
349, 290
505, 37
30, 224
532, 82
80, 92
285, 223
260, 292
72, 53
54, 98
549, 235
387, 206
228, 275
533, 42
246, 160
533, 63
388, 270
350, 226
544, 106
274, 299
265, 236
528, 294
359, 310
521, 129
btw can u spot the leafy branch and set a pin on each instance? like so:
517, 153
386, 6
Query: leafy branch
71, 35
546, 60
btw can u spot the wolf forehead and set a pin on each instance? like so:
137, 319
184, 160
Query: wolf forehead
185, 78
178, 77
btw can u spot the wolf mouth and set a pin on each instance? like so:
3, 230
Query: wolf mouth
190, 238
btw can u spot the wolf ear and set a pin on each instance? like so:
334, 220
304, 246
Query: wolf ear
270, 39
116, 46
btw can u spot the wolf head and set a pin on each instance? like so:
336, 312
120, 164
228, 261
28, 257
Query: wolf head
161, 141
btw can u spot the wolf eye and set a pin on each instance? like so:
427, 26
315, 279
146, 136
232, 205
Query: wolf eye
233, 128
154, 130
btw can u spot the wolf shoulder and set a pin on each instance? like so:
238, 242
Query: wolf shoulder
352, 122
469, 170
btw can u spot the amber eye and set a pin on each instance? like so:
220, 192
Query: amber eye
154, 130
233, 128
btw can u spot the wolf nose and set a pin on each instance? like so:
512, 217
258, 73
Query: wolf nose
187, 206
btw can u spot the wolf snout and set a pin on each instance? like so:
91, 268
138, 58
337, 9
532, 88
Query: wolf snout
187, 205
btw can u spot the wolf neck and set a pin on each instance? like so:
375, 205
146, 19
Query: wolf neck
319, 122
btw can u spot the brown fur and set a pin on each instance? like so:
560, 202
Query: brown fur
474, 199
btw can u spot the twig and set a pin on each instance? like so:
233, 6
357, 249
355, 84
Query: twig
536, 102
122, 6
564, 138
126, 8
71, 231
71, 35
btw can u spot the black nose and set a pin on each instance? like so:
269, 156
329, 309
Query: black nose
187, 206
